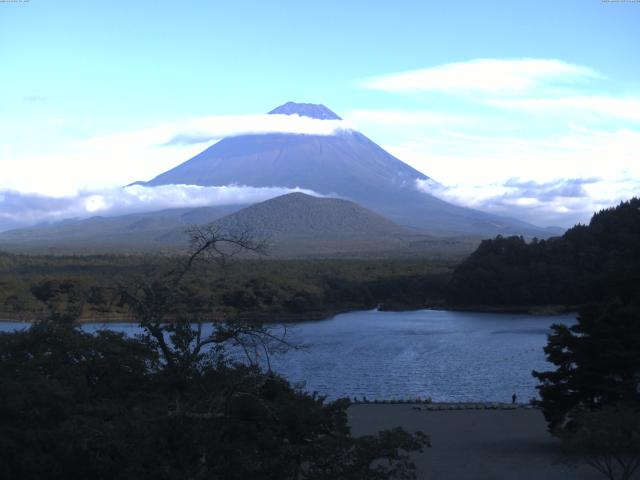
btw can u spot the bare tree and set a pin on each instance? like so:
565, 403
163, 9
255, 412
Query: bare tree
174, 321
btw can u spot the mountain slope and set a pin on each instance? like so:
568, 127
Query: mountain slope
346, 164
135, 232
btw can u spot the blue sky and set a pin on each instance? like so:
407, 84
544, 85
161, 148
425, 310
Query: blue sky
527, 108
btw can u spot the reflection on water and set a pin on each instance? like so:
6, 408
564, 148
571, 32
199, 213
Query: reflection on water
449, 356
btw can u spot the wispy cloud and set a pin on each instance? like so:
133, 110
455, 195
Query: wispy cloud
408, 118
34, 98
568, 134
205, 129
125, 157
559, 188
18, 208
452, 157
626, 108
494, 76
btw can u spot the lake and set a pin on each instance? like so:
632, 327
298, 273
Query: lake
445, 355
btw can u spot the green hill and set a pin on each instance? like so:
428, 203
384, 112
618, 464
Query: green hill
589, 263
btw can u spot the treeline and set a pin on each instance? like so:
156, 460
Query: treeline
87, 287
588, 264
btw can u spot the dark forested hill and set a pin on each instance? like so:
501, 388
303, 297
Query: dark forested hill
297, 214
589, 263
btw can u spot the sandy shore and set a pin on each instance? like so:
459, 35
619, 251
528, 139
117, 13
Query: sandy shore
475, 444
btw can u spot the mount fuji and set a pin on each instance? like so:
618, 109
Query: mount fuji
347, 165
376, 204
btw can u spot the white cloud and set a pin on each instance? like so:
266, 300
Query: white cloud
453, 157
104, 161
493, 76
205, 129
560, 180
621, 108
142, 198
28, 209
560, 202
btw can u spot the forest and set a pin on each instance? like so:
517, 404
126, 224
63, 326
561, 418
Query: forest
86, 287
589, 263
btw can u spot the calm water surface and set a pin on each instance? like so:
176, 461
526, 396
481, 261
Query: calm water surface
449, 356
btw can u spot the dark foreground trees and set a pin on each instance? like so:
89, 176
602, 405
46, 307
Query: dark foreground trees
592, 400
175, 402
597, 360
76, 405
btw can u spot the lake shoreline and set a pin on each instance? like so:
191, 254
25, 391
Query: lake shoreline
546, 310
395, 357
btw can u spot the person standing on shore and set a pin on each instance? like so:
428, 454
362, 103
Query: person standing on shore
513, 398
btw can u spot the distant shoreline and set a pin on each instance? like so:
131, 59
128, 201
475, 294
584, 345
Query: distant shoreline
318, 315
526, 309
28, 317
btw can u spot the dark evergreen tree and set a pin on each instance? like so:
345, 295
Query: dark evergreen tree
598, 363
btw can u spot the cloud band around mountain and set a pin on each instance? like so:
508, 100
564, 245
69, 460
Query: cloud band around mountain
24, 209
214, 127
559, 202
